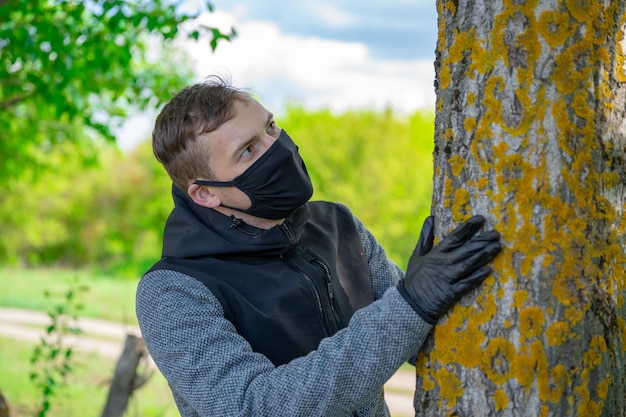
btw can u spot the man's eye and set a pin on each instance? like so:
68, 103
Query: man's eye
247, 151
271, 128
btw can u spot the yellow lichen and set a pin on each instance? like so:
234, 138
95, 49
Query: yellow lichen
462, 45
500, 292
445, 77
453, 336
460, 205
573, 315
542, 371
531, 322
557, 333
424, 371
501, 399
469, 124
562, 285
498, 359
447, 338
482, 183
472, 340
457, 163
450, 6
559, 379
484, 308
554, 27
450, 386
593, 357
447, 189
621, 51
471, 99
583, 400
610, 179
525, 369
603, 388
547, 260
490, 100
621, 325
520, 297
581, 9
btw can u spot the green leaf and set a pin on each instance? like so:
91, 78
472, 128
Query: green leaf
57, 56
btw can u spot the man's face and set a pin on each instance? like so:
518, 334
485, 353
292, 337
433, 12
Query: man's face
237, 144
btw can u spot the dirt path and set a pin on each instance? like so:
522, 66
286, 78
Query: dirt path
106, 338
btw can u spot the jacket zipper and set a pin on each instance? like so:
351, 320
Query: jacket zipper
239, 225
329, 285
287, 230
318, 298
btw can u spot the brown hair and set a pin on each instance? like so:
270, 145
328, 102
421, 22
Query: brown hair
197, 109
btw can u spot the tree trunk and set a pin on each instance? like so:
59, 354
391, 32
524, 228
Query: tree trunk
531, 133
125, 379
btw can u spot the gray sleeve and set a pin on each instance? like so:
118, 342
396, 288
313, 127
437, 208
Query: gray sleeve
384, 272
213, 371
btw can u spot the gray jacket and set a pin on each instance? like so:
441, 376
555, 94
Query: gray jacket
213, 371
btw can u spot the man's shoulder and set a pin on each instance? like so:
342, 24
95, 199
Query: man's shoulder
328, 206
175, 285
163, 275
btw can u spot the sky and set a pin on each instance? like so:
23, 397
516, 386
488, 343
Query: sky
341, 54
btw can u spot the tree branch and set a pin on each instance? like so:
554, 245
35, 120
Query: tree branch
13, 101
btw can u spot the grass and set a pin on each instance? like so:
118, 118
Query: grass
86, 390
108, 297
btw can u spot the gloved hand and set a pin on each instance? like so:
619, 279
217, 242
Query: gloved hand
438, 277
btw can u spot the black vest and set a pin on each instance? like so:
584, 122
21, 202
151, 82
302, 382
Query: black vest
284, 302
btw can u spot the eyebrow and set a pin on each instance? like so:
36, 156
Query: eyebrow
244, 144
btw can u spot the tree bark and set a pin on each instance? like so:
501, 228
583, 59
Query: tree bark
125, 379
531, 133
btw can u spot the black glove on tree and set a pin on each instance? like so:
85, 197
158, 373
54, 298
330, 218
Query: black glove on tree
436, 279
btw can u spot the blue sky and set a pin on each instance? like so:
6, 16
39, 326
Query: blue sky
338, 54
391, 29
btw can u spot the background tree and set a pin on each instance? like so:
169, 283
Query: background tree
70, 70
530, 131
110, 217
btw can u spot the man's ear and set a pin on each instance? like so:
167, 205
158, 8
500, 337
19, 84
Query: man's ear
202, 196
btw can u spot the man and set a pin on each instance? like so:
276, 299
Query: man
265, 304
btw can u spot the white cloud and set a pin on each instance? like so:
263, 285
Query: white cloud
316, 73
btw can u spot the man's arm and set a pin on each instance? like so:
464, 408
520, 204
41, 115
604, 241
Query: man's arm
383, 271
213, 370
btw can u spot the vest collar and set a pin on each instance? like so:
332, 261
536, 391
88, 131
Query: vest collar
193, 231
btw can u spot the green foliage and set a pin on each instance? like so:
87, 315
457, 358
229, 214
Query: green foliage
52, 359
70, 69
377, 164
111, 214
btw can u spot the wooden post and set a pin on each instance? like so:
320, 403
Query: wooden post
4, 407
125, 379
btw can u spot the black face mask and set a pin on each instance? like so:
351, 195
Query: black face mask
277, 183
